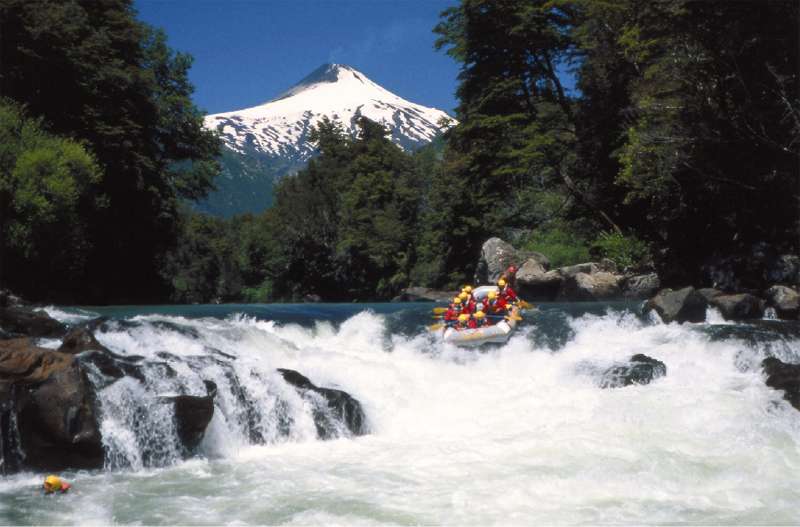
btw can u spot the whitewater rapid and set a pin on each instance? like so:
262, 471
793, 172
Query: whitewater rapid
516, 434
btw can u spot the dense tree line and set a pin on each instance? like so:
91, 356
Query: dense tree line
87, 71
679, 142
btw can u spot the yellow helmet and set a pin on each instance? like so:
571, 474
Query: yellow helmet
463, 318
463, 296
468, 289
501, 283
492, 294
52, 483
479, 314
457, 300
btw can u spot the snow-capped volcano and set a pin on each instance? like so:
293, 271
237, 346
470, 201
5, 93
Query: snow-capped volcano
280, 127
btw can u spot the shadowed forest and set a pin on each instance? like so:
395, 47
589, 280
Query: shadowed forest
679, 144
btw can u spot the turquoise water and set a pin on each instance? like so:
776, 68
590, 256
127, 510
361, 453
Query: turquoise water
515, 434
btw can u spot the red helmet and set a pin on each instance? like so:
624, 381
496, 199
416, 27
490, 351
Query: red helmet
512, 269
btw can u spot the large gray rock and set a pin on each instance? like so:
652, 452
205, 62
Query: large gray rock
709, 293
497, 255
338, 409
192, 415
640, 286
80, 339
20, 321
47, 397
741, 306
585, 268
640, 369
785, 269
783, 376
424, 294
683, 305
785, 300
540, 286
590, 287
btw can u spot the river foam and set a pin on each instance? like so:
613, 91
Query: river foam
516, 434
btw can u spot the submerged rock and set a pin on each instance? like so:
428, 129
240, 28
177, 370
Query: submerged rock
47, 397
640, 369
783, 376
684, 305
785, 300
192, 415
340, 405
739, 307
20, 321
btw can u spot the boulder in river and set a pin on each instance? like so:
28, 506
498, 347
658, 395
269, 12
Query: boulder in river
18, 321
783, 376
340, 407
48, 404
741, 306
599, 285
497, 255
536, 283
78, 340
640, 286
192, 415
424, 294
785, 301
640, 369
683, 305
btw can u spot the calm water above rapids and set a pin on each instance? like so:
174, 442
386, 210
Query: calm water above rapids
514, 434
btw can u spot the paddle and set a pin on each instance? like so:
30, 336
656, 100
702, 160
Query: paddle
435, 327
439, 310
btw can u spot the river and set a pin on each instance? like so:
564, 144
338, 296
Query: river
515, 434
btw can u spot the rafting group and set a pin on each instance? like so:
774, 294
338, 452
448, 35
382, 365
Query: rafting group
486, 314
468, 312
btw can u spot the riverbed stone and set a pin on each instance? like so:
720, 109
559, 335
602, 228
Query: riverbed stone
640, 286
193, 413
742, 306
785, 301
342, 406
20, 321
640, 369
683, 305
783, 376
600, 285
496, 257
53, 406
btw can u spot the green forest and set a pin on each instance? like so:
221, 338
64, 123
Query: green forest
679, 142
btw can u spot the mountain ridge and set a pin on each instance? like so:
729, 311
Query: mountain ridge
268, 141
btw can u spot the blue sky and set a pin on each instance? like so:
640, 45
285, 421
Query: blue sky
247, 52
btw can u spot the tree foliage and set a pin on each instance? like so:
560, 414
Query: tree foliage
98, 75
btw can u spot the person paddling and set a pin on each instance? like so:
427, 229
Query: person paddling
463, 321
54, 484
452, 313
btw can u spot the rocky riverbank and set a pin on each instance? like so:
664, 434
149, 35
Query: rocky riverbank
49, 410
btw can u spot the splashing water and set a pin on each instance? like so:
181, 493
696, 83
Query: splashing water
515, 434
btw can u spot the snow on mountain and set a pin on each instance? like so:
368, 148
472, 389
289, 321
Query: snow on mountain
279, 128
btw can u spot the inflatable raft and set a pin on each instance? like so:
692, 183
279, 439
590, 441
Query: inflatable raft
498, 333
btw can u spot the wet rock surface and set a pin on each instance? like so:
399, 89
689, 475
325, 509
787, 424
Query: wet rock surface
785, 301
341, 406
785, 377
741, 306
640, 369
683, 305
18, 321
48, 404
